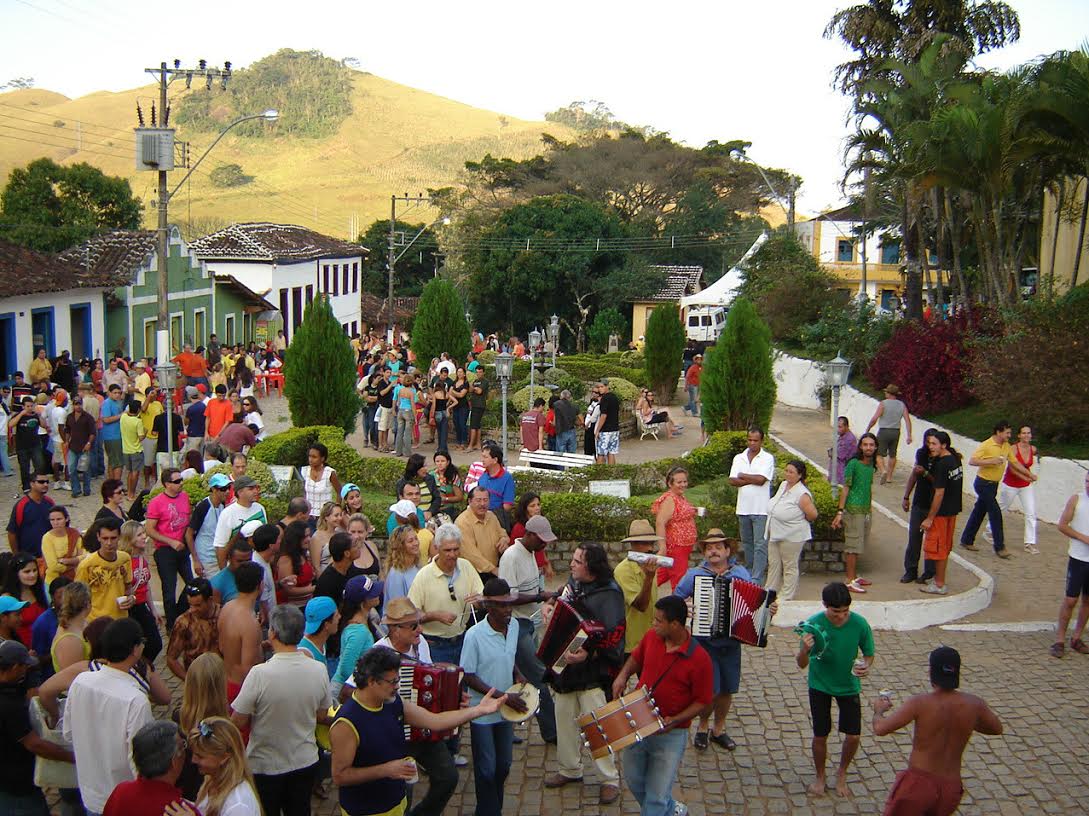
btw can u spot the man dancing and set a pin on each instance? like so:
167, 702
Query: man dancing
945, 720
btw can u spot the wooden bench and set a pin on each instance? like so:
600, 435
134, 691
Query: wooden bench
537, 460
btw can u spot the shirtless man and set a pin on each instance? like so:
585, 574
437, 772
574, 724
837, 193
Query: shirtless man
945, 720
239, 631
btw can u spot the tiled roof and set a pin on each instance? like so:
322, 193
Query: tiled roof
272, 242
25, 272
373, 309
852, 212
113, 256
679, 282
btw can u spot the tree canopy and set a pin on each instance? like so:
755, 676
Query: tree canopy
51, 207
319, 371
415, 268
440, 323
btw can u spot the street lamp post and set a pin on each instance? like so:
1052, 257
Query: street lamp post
534, 340
554, 336
504, 367
836, 373
167, 374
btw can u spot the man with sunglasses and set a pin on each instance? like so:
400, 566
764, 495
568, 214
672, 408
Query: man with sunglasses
167, 522
30, 517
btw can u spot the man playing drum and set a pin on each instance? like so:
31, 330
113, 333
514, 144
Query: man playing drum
677, 672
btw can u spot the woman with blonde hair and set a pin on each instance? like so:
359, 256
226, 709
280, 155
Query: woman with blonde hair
330, 520
133, 540
367, 562
204, 695
403, 561
69, 645
228, 788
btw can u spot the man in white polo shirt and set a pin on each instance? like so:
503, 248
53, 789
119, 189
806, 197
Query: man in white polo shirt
751, 473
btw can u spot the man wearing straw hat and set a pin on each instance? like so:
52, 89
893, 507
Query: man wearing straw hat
725, 652
636, 581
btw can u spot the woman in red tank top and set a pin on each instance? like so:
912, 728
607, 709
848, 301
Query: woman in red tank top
1014, 487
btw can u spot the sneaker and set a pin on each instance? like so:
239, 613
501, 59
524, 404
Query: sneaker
933, 589
680, 809
924, 579
1031, 549
1079, 646
907, 578
971, 547
1057, 649
1003, 554
460, 761
863, 581
855, 586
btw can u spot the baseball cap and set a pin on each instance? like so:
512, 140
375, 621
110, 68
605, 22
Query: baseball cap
945, 667
219, 480
202, 388
191, 392
242, 482
14, 653
403, 508
9, 604
139, 364
318, 610
540, 527
361, 588
249, 528
348, 488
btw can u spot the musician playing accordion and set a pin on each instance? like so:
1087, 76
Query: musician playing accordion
581, 686
724, 651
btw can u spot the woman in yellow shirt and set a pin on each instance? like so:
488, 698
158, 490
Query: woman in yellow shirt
150, 409
69, 645
62, 546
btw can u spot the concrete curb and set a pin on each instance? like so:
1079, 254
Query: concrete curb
898, 615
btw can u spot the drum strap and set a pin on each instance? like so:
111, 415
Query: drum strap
661, 677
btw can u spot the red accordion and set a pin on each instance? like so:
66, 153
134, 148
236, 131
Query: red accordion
435, 687
567, 632
749, 614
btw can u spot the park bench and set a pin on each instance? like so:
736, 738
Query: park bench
646, 430
551, 460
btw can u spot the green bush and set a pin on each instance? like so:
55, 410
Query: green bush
290, 447
487, 357
258, 470
606, 322
737, 388
440, 323
522, 399
714, 459
856, 331
665, 345
591, 368
625, 390
320, 373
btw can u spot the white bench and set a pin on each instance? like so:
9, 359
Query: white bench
646, 430
533, 460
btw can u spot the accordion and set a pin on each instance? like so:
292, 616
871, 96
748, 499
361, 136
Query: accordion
731, 607
432, 686
567, 632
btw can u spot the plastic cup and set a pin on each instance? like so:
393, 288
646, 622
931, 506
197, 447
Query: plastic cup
860, 666
701, 511
121, 599
416, 775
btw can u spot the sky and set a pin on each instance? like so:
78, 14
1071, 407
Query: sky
699, 70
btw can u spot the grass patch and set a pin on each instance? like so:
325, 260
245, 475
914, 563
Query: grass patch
976, 421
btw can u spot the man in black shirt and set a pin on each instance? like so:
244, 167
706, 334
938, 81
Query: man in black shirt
385, 409
478, 401
333, 580
921, 481
607, 431
19, 744
565, 423
27, 447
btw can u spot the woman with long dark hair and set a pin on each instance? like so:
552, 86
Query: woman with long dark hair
294, 572
23, 582
855, 501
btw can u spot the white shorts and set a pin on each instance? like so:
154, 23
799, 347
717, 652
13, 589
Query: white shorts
384, 418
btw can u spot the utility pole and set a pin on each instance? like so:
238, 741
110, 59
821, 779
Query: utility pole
393, 256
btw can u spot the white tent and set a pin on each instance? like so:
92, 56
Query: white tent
723, 291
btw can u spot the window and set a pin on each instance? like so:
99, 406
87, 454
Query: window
845, 251
150, 326
283, 308
706, 320
199, 327
355, 277
720, 318
336, 279
693, 320
345, 288
296, 310
309, 295
228, 330
890, 252
325, 287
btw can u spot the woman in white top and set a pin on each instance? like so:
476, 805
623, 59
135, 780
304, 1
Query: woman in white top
220, 756
252, 416
319, 481
789, 513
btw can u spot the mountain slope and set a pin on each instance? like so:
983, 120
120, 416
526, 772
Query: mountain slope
398, 139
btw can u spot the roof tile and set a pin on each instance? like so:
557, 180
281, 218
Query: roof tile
272, 242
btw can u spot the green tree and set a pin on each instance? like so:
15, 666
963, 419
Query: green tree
737, 387
229, 175
439, 323
319, 371
50, 208
607, 321
415, 268
665, 345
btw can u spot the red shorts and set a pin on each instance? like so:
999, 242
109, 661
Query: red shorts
232, 692
939, 538
920, 793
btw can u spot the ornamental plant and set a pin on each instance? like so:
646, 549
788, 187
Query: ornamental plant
737, 388
319, 371
440, 324
665, 345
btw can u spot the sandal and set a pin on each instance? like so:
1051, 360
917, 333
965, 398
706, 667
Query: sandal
1057, 649
1079, 646
724, 741
1031, 549
700, 741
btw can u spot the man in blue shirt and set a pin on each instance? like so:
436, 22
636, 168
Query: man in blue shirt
195, 421
487, 655
496, 479
30, 517
112, 409
44, 628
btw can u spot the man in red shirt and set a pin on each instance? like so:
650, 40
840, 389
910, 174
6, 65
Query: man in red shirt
692, 384
677, 672
218, 414
158, 752
192, 366
533, 423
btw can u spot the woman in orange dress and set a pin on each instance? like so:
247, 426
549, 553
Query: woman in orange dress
675, 522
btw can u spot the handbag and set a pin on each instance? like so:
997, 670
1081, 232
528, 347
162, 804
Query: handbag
50, 773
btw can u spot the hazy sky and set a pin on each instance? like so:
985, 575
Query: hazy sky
706, 70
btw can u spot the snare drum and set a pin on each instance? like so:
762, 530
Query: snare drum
616, 725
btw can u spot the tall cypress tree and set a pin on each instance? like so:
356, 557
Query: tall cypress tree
737, 387
440, 324
320, 373
665, 346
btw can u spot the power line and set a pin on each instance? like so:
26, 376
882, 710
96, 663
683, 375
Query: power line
89, 136
62, 146
73, 142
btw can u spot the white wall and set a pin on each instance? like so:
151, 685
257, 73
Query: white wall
1058, 478
62, 321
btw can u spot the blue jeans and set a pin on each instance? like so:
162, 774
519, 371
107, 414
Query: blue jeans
81, 479
171, 563
447, 650
5, 465
370, 423
405, 423
461, 423
651, 768
534, 670
98, 458
442, 429
755, 542
986, 505
693, 400
493, 747
566, 441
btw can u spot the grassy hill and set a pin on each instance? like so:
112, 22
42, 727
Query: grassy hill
397, 139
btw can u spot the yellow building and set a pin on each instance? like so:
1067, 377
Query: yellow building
1057, 252
679, 282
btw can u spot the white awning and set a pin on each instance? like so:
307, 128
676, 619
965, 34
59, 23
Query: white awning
723, 291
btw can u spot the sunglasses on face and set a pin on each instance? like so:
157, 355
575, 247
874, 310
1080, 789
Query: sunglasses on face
41, 481
175, 481
412, 625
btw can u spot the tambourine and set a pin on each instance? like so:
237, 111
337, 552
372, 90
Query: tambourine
820, 640
532, 698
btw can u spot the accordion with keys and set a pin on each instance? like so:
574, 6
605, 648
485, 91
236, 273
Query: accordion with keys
432, 686
567, 632
731, 607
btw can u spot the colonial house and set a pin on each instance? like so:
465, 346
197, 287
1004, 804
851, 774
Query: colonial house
679, 282
1061, 228
832, 239
45, 303
289, 265
200, 303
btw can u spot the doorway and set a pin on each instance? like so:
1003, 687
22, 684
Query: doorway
43, 331
9, 353
79, 315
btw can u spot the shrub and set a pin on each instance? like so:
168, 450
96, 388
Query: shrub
290, 447
523, 398
928, 362
625, 390
737, 387
319, 372
606, 322
486, 357
665, 345
856, 331
714, 458
440, 323
255, 468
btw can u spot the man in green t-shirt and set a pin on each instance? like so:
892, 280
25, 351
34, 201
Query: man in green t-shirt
133, 432
833, 673
855, 499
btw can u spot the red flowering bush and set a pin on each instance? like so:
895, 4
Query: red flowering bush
928, 362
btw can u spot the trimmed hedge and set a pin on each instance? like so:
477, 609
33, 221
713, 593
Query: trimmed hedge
290, 447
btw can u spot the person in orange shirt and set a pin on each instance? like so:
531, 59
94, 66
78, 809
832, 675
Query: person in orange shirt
218, 414
192, 366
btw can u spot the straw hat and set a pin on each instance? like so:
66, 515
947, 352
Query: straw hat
400, 610
641, 530
716, 536
892, 389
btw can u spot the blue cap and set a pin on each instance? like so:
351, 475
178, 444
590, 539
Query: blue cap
318, 610
9, 604
219, 480
361, 588
346, 489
